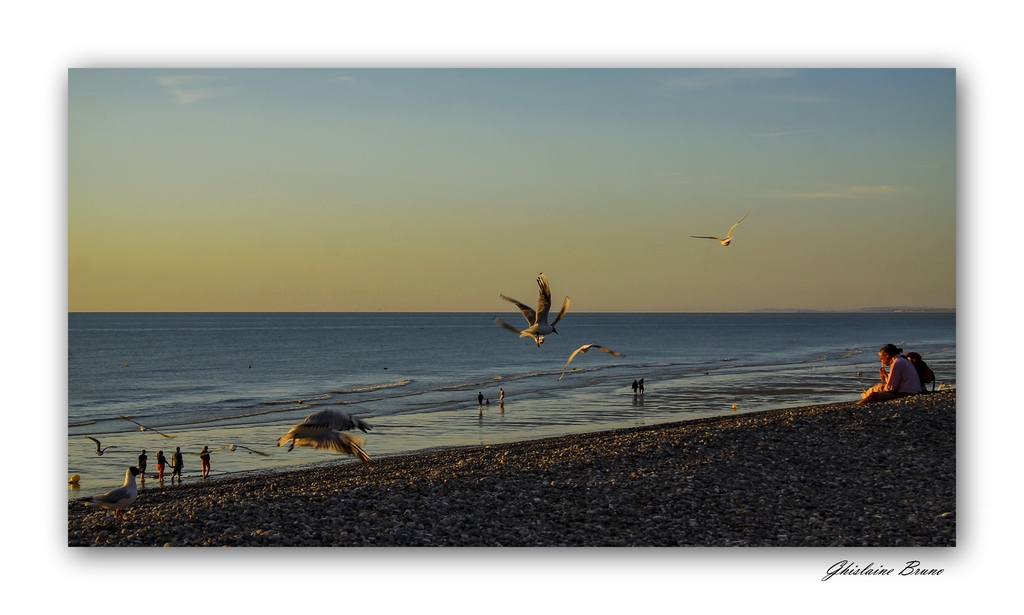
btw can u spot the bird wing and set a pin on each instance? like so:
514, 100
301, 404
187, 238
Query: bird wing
113, 497
319, 425
584, 349
335, 419
330, 439
733, 228
505, 325
706, 237
608, 350
96, 441
129, 419
531, 316
543, 300
252, 450
565, 308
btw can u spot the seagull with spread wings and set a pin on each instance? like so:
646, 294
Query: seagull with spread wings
584, 349
326, 429
728, 236
537, 320
99, 450
143, 427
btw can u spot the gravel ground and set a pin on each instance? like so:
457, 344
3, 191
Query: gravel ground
835, 475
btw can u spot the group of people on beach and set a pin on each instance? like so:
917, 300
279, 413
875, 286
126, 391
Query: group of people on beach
638, 387
177, 463
900, 379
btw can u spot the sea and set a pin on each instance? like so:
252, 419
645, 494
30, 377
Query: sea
159, 381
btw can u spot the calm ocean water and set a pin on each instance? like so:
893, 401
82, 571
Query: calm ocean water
234, 378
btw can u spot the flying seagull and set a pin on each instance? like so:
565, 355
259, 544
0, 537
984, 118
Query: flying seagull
584, 349
537, 320
100, 451
143, 427
235, 447
325, 429
119, 498
728, 237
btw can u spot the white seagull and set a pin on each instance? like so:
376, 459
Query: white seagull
100, 451
537, 320
119, 498
143, 427
325, 429
584, 349
728, 236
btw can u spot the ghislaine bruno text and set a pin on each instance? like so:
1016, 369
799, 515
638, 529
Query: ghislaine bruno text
912, 568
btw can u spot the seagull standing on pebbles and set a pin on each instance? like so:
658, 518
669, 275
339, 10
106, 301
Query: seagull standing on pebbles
325, 429
728, 236
119, 498
584, 349
537, 320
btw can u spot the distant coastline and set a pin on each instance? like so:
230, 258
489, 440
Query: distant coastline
870, 310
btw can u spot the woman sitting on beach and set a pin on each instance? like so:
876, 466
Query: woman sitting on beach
901, 380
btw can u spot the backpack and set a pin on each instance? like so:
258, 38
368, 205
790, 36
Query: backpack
924, 373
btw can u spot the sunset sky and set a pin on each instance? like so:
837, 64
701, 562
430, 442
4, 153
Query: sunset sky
436, 190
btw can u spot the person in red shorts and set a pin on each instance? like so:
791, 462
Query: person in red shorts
161, 462
205, 457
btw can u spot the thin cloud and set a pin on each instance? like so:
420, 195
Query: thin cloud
848, 192
713, 78
802, 99
188, 89
343, 79
770, 135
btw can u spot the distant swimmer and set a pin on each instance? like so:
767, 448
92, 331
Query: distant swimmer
728, 237
480, 398
99, 450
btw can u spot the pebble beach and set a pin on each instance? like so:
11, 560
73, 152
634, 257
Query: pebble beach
832, 475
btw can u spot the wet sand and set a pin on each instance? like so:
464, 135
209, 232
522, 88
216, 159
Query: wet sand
881, 474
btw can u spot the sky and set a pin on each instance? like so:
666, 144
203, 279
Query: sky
438, 189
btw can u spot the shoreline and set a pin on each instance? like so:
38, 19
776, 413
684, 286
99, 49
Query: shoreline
880, 474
